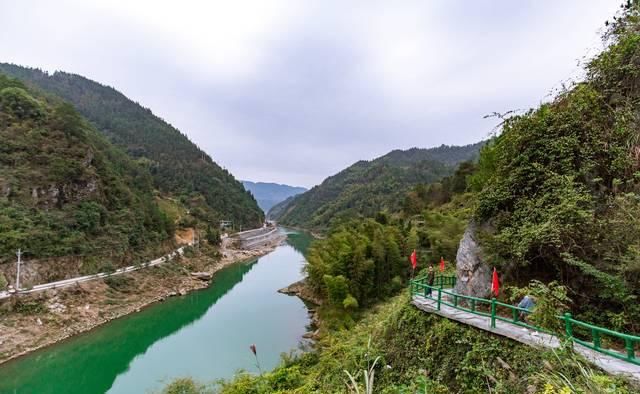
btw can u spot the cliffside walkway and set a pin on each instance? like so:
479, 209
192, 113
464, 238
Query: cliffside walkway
486, 315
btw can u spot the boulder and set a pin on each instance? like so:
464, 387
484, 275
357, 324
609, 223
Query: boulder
206, 276
56, 307
302, 291
474, 275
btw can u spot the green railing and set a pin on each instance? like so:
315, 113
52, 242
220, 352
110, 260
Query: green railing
439, 281
596, 334
492, 308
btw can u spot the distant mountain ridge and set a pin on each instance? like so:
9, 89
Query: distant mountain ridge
367, 187
269, 194
177, 165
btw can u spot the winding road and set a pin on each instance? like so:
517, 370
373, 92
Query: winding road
86, 278
244, 236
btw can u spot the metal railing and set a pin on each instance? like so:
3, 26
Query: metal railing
490, 308
596, 334
440, 281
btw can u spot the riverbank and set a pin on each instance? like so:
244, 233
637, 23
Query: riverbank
43, 319
302, 290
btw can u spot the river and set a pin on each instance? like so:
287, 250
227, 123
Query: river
205, 334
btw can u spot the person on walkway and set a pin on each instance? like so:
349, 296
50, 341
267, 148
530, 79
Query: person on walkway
430, 277
528, 302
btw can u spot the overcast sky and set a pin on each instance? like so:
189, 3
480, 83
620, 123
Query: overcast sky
293, 91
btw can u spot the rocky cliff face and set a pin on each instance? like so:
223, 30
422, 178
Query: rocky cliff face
58, 195
474, 275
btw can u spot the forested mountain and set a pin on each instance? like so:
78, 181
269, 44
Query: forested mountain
64, 189
177, 165
367, 187
269, 194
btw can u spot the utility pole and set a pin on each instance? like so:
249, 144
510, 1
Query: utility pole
19, 254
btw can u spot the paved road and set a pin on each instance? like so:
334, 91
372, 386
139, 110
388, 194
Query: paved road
86, 278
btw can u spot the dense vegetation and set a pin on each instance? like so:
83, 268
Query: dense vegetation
421, 353
362, 261
269, 194
368, 187
64, 189
178, 166
560, 187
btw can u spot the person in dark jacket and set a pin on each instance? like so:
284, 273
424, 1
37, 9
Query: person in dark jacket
430, 277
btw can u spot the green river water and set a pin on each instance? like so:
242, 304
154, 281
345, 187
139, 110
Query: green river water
205, 334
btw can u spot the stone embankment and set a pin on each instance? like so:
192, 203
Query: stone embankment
253, 239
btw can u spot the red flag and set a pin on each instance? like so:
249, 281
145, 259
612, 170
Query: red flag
441, 264
414, 259
495, 283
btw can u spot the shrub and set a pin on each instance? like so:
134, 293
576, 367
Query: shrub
18, 102
185, 386
350, 303
213, 236
550, 302
337, 288
189, 252
28, 306
120, 283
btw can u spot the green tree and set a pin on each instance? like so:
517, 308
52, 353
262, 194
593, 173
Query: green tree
337, 288
213, 236
21, 104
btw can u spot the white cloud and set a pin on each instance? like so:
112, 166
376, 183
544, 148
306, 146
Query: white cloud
224, 39
322, 83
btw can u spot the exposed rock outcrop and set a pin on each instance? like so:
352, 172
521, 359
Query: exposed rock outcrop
474, 276
5, 188
205, 276
55, 195
302, 291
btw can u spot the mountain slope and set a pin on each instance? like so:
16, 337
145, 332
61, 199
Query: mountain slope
367, 187
64, 189
177, 165
269, 194
561, 186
